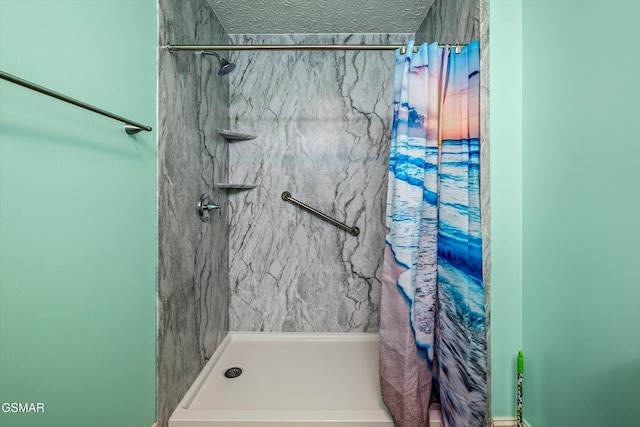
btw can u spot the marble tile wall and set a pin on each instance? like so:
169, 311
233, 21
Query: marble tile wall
482, 11
193, 284
451, 21
323, 124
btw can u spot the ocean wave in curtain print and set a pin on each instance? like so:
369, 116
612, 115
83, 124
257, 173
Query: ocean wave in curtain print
433, 258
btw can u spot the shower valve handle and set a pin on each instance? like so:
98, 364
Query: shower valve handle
205, 206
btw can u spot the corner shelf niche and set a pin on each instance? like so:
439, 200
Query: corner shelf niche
231, 186
232, 136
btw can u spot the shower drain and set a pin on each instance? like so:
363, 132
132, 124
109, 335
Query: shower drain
233, 372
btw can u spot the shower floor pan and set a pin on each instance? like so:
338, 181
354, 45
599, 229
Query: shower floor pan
288, 379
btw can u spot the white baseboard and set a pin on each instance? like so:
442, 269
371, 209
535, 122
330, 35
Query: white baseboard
507, 422
496, 422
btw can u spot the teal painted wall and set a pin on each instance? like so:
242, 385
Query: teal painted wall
581, 187
78, 214
506, 201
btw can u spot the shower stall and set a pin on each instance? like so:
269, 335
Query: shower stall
315, 124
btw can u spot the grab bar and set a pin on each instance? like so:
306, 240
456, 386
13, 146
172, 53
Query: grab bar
354, 231
131, 126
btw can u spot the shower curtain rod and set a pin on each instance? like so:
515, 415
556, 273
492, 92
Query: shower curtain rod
176, 48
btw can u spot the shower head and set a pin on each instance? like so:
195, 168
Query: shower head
225, 66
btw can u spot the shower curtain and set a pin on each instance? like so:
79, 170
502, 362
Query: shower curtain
432, 315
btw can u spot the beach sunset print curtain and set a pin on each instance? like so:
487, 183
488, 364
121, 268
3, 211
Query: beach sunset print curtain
432, 323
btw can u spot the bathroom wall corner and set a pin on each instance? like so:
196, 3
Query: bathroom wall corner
453, 22
193, 261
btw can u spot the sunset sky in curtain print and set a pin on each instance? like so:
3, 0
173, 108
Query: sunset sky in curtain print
459, 100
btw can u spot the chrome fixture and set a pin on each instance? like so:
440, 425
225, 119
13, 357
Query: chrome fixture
205, 207
225, 66
354, 231
131, 126
207, 48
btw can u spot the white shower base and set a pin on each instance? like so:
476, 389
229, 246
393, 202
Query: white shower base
291, 380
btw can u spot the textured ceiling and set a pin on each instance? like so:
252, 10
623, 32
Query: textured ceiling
320, 16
